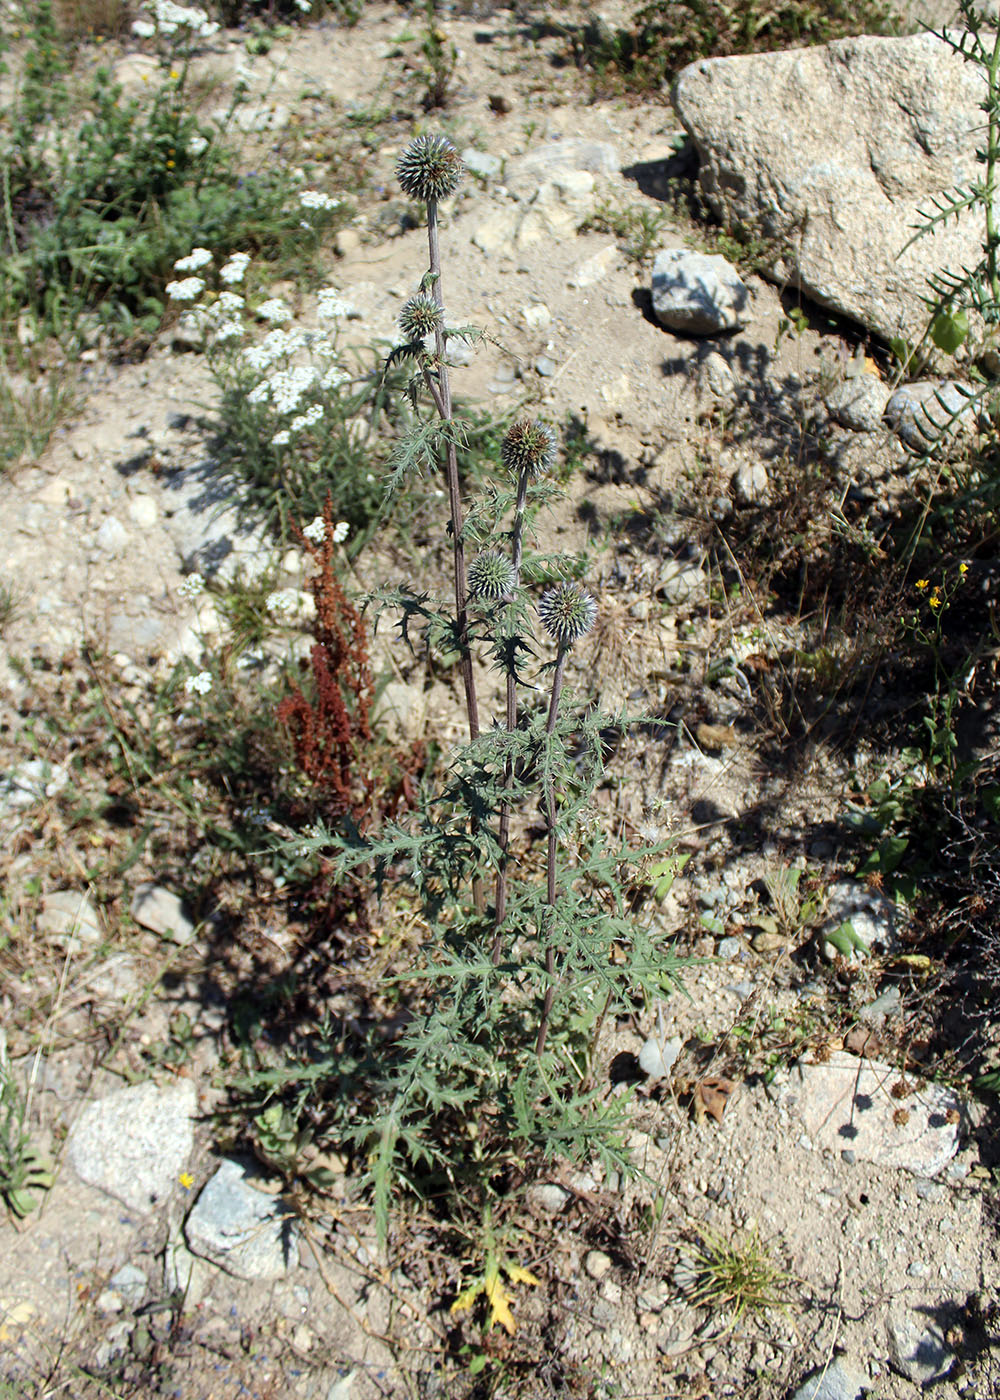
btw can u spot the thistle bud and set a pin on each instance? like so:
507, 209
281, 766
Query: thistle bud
420, 316
491, 575
528, 446
567, 613
430, 168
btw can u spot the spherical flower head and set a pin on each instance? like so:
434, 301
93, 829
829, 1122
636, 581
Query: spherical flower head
430, 168
567, 613
491, 575
529, 447
419, 317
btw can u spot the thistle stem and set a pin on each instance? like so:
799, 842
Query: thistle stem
503, 831
443, 404
451, 478
550, 817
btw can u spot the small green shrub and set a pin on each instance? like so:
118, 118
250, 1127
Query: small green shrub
96, 217
665, 35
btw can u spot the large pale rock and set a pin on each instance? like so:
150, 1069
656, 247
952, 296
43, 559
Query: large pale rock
831, 151
135, 1143
848, 1104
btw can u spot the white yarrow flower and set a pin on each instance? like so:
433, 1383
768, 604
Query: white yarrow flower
228, 330
198, 257
230, 302
284, 602
275, 310
143, 29
331, 306
235, 269
316, 199
315, 530
280, 439
340, 532
200, 684
186, 290
308, 419
192, 586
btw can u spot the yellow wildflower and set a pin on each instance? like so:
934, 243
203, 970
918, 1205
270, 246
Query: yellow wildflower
963, 569
934, 601
186, 1180
923, 583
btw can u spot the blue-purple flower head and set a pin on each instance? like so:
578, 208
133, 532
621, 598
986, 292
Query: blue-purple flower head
529, 447
430, 169
567, 613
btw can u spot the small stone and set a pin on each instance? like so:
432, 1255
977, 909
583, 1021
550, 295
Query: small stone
837, 1381
859, 403
595, 268
545, 366
886, 1004
346, 241
917, 1348
249, 1234
135, 1143
68, 918
597, 1264
697, 293
30, 783
765, 942
536, 316
716, 376
342, 1388
681, 583
185, 1273
547, 1198
112, 539
751, 484
871, 916
728, 948
927, 412
481, 163
162, 912
658, 1056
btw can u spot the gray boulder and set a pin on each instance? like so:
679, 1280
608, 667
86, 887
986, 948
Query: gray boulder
697, 293
831, 152
927, 413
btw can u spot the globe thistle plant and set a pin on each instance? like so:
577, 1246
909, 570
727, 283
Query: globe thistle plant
430, 169
421, 316
567, 613
528, 449
499, 994
491, 576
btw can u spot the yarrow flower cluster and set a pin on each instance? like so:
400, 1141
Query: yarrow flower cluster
331, 306
567, 613
200, 684
192, 586
529, 447
316, 531
430, 169
278, 312
491, 575
284, 602
168, 18
198, 257
188, 289
235, 269
316, 199
285, 389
